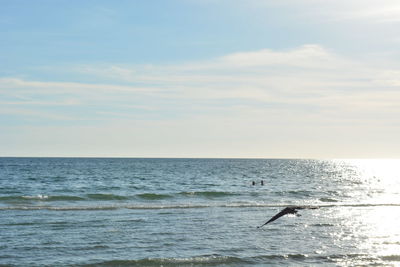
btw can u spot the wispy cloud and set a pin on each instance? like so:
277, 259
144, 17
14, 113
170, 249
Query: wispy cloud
372, 11
61, 87
387, 11
307, 79
266, 97
309, 75
46, 95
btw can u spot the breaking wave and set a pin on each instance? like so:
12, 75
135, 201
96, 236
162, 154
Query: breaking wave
111, 197
187, 206
275, 259
40, 198
191, 261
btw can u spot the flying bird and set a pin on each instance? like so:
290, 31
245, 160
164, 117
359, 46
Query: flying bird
287, 210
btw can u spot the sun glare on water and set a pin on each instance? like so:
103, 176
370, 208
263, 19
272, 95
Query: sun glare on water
373, 225
381, 179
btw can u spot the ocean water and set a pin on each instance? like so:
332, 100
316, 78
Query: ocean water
198, 212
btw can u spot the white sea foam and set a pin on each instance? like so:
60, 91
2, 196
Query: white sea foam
38, 197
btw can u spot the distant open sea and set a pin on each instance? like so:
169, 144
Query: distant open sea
198, 212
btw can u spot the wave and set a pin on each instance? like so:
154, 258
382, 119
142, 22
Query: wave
303, 193
362, 259
204, 194
106, 197
208, 194
190, 261
190, 206
110, 197
103, 207
327, 199
391, 258
40, 198
47, 198
217, 260
152, 196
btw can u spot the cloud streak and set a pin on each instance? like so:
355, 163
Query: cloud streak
266, 96
307, 79
385, 11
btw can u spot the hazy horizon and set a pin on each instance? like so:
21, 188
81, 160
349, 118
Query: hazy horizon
200, 79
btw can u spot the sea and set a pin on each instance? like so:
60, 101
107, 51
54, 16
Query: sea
198, 212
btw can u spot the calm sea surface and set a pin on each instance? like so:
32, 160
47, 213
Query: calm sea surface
198, 212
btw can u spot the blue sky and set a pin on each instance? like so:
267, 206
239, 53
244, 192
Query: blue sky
200, 78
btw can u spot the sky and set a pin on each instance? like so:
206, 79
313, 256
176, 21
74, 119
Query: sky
200, 78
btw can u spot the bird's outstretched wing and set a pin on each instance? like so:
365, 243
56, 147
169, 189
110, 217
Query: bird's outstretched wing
280, 214
287, 210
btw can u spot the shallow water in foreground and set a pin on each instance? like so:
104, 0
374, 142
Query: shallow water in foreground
198, 212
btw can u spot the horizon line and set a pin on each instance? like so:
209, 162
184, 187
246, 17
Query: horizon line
253, 158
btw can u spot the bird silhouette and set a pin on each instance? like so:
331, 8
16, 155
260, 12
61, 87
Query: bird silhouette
287, 210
